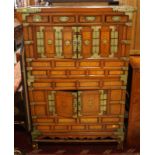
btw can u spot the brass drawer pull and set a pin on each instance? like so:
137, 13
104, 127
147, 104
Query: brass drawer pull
63, 18
67, 42
37, 18
87, 42
116, 18
90, 18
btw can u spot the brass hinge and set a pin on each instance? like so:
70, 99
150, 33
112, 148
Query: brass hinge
29, 59
121, 123
26, 24
28, 42
122, 102
121, 116
35, 133
29, 68
128, 10
79, 103
128, 24
124, 78
125, 58
127, 42
51, 102
34, 117
123, 87
29, 82
75, 106
24, 16
125, 68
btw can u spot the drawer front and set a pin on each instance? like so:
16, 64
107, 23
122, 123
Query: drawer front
90, 19
117, 19
75, 84
64, 19
78, 73
37, 19
78, 128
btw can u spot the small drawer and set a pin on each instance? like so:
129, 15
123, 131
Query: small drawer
90, 19
113, 19
37, 19
63, 19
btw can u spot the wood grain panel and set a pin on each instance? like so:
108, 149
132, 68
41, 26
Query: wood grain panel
64, 104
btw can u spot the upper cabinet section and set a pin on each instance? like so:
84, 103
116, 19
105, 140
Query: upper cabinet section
76, 42
63, 32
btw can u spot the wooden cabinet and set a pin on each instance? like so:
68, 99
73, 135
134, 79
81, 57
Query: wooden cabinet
76, 61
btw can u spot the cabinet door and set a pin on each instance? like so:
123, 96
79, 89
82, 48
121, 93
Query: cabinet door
54, 42
92, 103
102, 41
66, 104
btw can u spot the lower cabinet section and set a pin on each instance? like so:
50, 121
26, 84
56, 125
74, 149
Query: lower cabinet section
77, 114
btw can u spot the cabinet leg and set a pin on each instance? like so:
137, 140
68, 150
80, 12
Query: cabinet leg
120, 145
35, 145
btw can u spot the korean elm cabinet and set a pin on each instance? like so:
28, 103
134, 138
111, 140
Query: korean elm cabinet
76, 65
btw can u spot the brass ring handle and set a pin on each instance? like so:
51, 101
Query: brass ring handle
87, 42
67, 42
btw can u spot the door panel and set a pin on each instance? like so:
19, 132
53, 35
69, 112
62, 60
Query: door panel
92, 103
49, 42
67, 42
86, 33
54, 42
105, 41
66, 104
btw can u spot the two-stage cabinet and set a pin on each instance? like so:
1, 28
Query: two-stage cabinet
75, 69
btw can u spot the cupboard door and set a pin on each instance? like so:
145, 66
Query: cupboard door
86, 41
92, 103
66, 104
54, 42
102, 41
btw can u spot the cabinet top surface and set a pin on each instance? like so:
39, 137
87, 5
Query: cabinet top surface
34, 9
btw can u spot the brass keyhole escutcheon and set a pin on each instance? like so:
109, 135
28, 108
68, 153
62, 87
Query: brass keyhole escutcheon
67, 42
104, 41
86, 42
